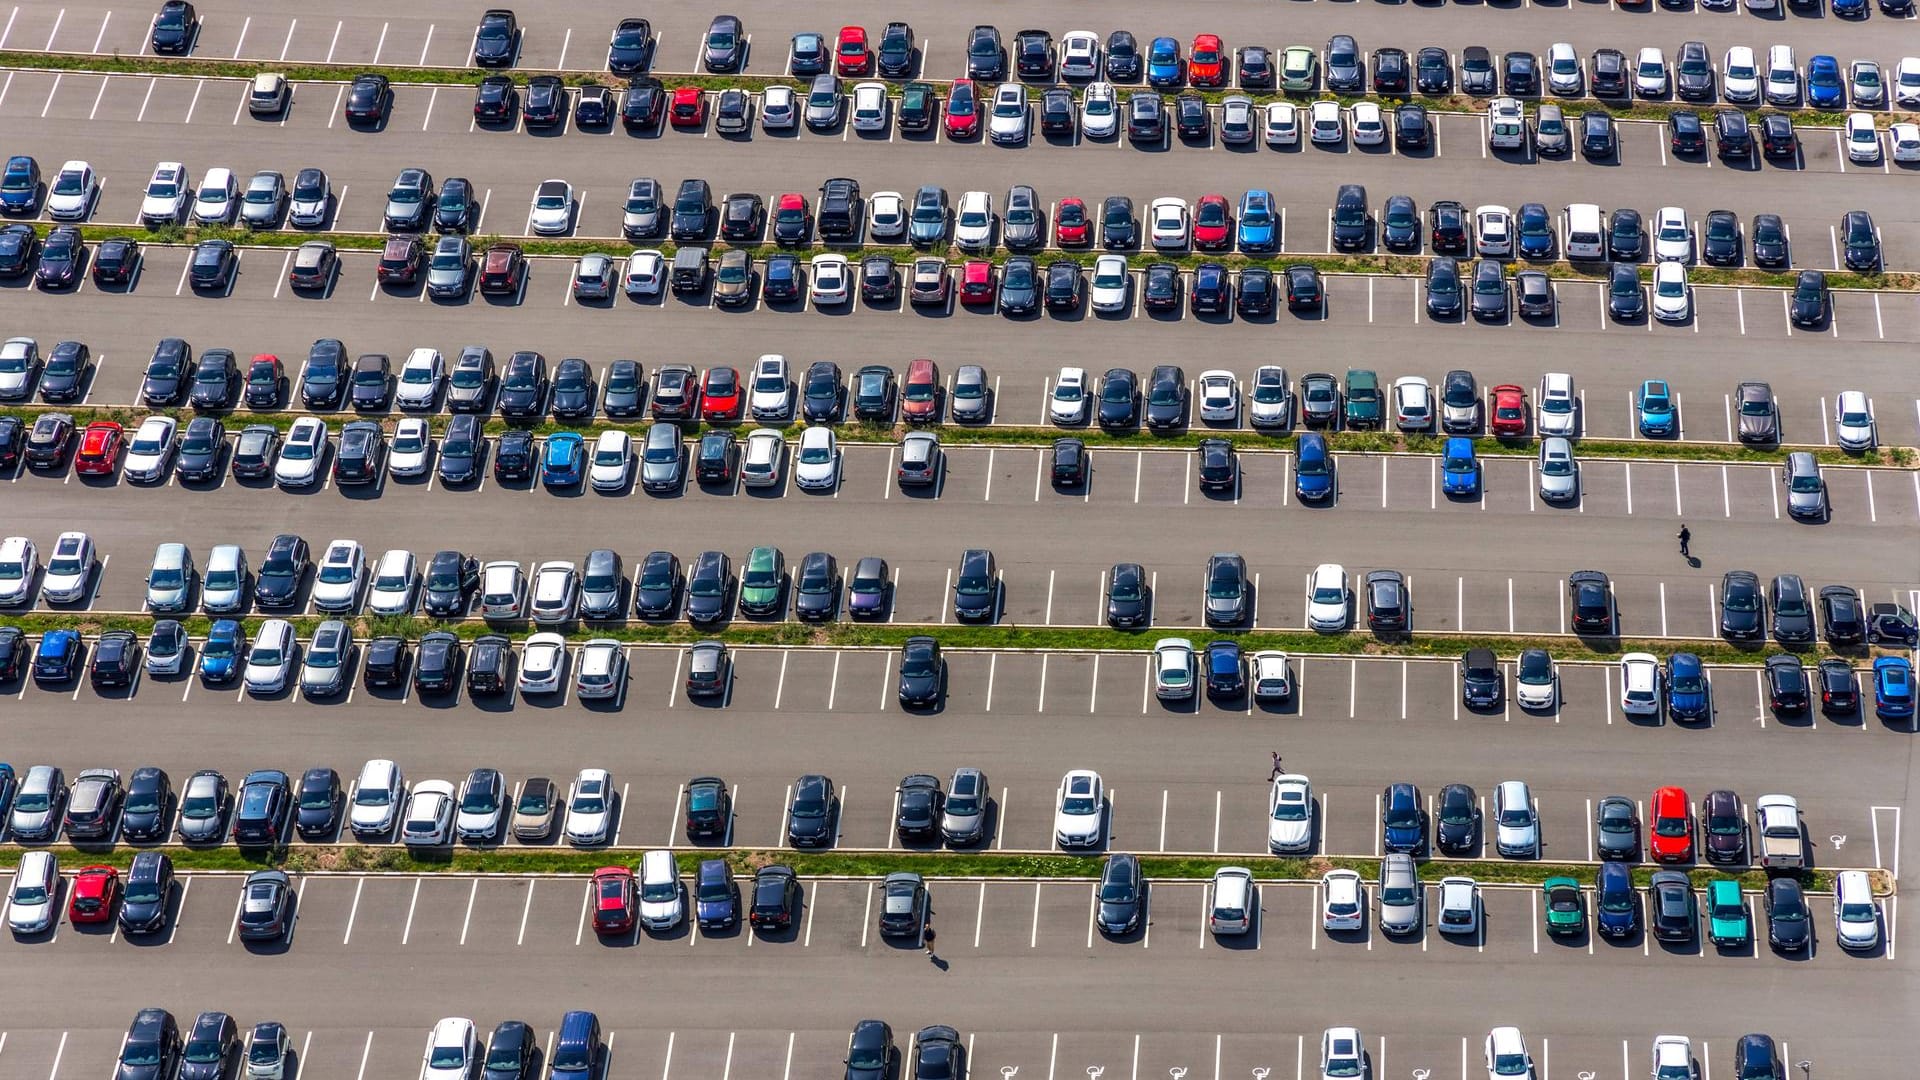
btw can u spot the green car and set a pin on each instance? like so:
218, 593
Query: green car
1729, 925
1363, 398
1298, 68
762, 580
1566, 907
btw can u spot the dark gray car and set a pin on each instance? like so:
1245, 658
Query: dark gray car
203, 808
963, 818
1616, 827
601, 579
970, 399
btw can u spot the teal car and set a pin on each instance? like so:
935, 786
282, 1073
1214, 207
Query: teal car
1653, 405
1728, 923
1363, 398
1566, 906
762, 581
1460, 468
1299, 68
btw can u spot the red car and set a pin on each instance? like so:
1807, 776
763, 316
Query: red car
1509, 410
95, 888
689, 108
920, 392
1670, 826
1070, 224
852, 56
1212, 223
613, 900
720, 395
1207, 66
99, 449
963, 111
976, 282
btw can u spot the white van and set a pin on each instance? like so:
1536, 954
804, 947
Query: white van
1586, 232
1233, 901
1506, 124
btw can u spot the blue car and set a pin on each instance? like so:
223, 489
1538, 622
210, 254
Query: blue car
220, 656
1459, 468
716, 895
20, 185
1654, 406
1825, 85
1259, 225
1616, 902
1313, 469
57, 660
1536, 231
1403, 819
563, 461
1164, 66
1852, 9
1226, 672
1892, 687
1686, 687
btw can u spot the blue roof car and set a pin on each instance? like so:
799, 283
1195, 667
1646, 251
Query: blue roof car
57, 659
1459, 468
560, 465
1258, 224
1403, 822
1686, 687
1824, 84
716, 894
1655, 407
1163, 62
220, 656
1892, 687
19, 184
1313, 467
1616, 902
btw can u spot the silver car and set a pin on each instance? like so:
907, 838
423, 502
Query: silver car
920, 459
449, 267
1517, 826
263, 200
38, 803
312, 198
1237, 123
224, 589
203, 808
963, 817
1400, 895
661, 458
970, 399
1806, 491
1559, 471
1550, 135
325, 673
170, 581
823, 101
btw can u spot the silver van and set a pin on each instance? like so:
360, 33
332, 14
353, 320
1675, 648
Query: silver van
1400, 895
37, 805
170, 581
36, 887
1234, 899
224, 588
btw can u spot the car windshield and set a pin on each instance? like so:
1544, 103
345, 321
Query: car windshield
1328, 594
1514, 816
1224, 583
1291, 807
448, 1057
334, 572
1077, 805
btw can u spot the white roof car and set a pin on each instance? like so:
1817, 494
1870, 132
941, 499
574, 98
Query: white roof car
1271, 673
1673, 1058
377, 797
270, 660
1109, 289
1068, 402
1327, 598
19, 562
1856, 915
452, 1048
72, 191
218, 196
601, 671
1558, 405
886, 215
412, 445
1413, 403
1783, 76
816, 464
1650, 73
1219, 396
760, 464
1853, 420
503, 590
395, 578
1537, 685
32, 902
1506, 1051
776, 108
1516, 825
611, 465
1564, 74
429, 823
1672, 235
1281, 126
1368, 127
222, 585
1173, 674
661, 907
166, 195
299, 462
1324, 122
1905, 137
1458, 906
589, 807
150, 450
69, 568
552, 209
556, 592
1080, 811
1079, 55
1740, 75
1099, 111
1290, 815
1906, 81
973, 221
870, 106
1235, 899
1863, 139
1639, 684
1008, 124
645, 274
1670, 297
1168, 218
829, 279
1493, 229
338, 577
542, 658
1342, 1053
770, 393
1343, 903
420, 379
482, 805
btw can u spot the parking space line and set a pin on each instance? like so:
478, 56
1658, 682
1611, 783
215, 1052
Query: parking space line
353, 911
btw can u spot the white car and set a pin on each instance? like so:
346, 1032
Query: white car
870, 106
1906, 81
1369, 129
299, 462
1109, 289
1673, 1058
1324, 122
1290, 815
69, 569
973, 221
429, 823
1536, 686
1559, 405
1740, 76
1099, 111
412, 445
542, 659
33, 901
1167, 220
1783, 76
777, 111
1863, 139
556, 592
1672, 235
816, 465
482, 806
1650, 73
1564, 74
770, 393
589, 807
1280, 125
661, 906
1905, 137
1639, 684
217, 198
646, 273
602, 669
452, 1049
1852, 422
1516, 829
611, 465
395, 580
1459, 906
1271, 673
19, 360
1413, 403
376, 799
552, 210
1008, 122
1079, 55
503, 590
337, 580
1327, 598
1506, 1052
1219, 396
830, 280
72, 192
150, 450
166, 195
1068, 402
1173, 669
886, 216
1493, 230
760, 463
1080, 811
420, 379
1342, 1053
1670, 296
19, 562
1343, 902
270, 660
1856, 915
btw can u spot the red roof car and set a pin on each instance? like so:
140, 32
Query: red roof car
95, 888
1207, 65
613, 900
689, 108
99, 449
963, 110
1212, 222
790, 219
1070, 225
1509, 410
852, 55
920, 392
1670, 826
976, 282
720, 395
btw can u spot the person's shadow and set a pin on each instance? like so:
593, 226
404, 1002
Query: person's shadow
1693, 561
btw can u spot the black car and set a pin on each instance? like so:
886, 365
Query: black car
1033, 54
1625, 297
1350, 220
384, 661
1432, 71
18, 243
1685, 133
1521, 74
1610, 74
212, 265
1743, 613
323, 382
448, 583
986, 57
1117, 226
1792, 609
148, 893
371, 382
13, 437
1489, 292
1256, 68
810, 816
1732, 135
61, 256
1769, 239
13, 660
1390, 72
1693, 72
1590, 595
1057, 111
643, 103
523, 386
821, 393
1119, 406
1123, 60
656, 588
65, 374
1411, 128
175, 28
495, 100
167, 375
277, 584
1448, 227
1129, 597
1839, 688
546, 101
1146, 116
1598, 138
1069, 463
916, 814
1443, 287
437, 667
1841, 618
151, 1050
573, 390
1457, 821
1160, 287
726, 45
742, 217
1400, 224
1212, 289
487, 664
1862, 241
776, 902
114, 260
1191, 119
593, 107
709, 587
1219, 469
1672, 911
976, 586
200, 449
1476, 70
1481, 680
1616, 826
146, 814
816, 587
513, 1048
214, 377
894, 54
922, 671
1789, 921
1626, 235
368, 98
1019, 286
262, 809
1255, 295
116, 655
1387, 604
631, 47
497, 40
1787, 690
1166, 398
361, 453
1122, 897
873, 392
461, 451
879, 279
1777, 139
48, 440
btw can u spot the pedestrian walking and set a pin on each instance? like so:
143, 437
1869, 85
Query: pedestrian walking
1686, 537
1277, 770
